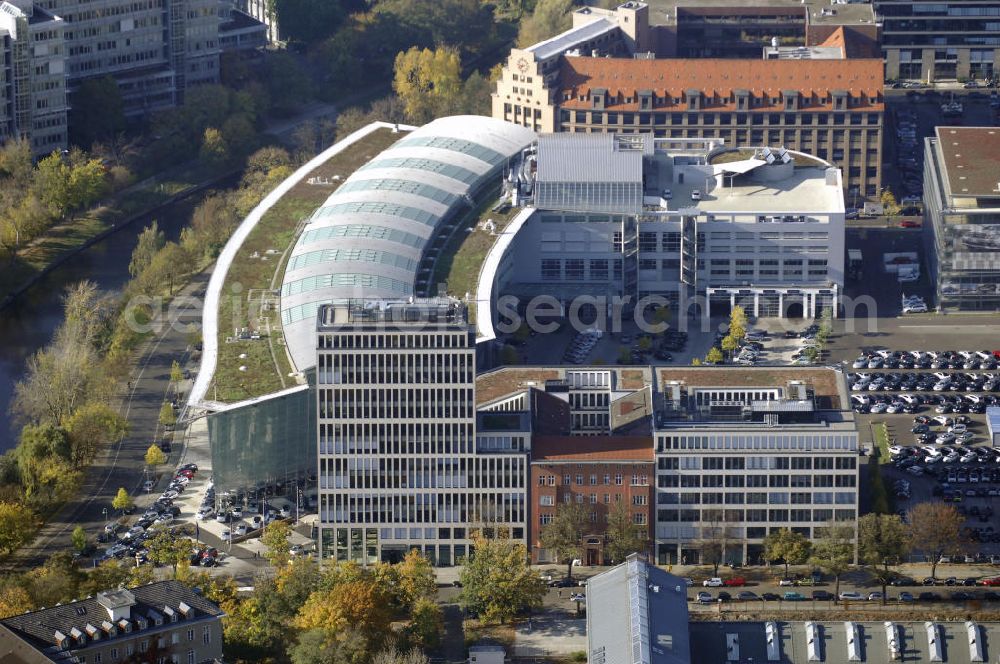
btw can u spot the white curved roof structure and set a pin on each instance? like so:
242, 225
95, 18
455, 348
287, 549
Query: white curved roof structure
369, 237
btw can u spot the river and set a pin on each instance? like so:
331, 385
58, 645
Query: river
28, 324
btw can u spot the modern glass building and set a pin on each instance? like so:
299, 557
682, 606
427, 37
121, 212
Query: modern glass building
267, 444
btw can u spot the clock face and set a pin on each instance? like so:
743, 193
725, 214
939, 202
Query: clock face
522, 65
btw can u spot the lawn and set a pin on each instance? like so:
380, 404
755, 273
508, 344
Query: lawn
460, 262
881, 432
257, 269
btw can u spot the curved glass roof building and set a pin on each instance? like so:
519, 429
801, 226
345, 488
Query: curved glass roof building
373, 236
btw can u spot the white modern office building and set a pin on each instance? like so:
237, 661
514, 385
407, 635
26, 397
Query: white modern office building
702, 225
737, 459
399, 464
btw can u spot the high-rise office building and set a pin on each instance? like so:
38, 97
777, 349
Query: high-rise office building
399, 463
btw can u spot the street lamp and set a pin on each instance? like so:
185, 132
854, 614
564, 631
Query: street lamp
104, 512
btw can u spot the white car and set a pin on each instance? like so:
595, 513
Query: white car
969, 458
226, 535
714, 582
957, 428
851, 595
951, 458
879, 408
241, 529
915, 309
695, 195
894, 408
944, 437
895, 449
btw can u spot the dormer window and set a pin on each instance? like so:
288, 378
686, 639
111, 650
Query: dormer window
61, 640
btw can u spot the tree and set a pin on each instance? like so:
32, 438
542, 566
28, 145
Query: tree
497, 582
17, 522
214, 148
833, 551
788, 546
275, 538
167, 416
889, 205
393, 655
176, 374
716, 538
360, 605
624, 536
714, 356
935, 528
98, 111
151, 240
426, 623
509, 356
428, 82
624, 355
563, 536
738, 323
155, 456
645, 344
315, 647
79, 539
89, 427
549, 19
14, 600
122, 501
166, 549
416, 578
730, 343
307, 20
825, 326
52, 184
883, 540
88, 181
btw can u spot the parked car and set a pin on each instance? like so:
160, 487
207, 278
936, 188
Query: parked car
714, 582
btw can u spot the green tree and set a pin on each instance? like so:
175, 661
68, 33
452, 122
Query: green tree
426, 623
275, 538
307, 21
696, 362
151, 240
825, 326
122, 500
563, 536
88, 182
549, 19
167, 549
714, 356
176, 374
98, 111
624, 355
52, 184
833, 551
315, 647
428, 82
497, 582
79, 539
155, 456
624, 536
645, 344
883, 541
738, 323
167, 416
89, 427
788, 546
17, 522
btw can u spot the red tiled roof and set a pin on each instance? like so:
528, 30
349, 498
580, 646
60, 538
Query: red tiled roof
592, 448
716, 77
837, 40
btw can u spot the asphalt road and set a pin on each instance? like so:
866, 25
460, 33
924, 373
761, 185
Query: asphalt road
122, 463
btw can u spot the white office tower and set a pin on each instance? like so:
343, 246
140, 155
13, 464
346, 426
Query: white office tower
398, 462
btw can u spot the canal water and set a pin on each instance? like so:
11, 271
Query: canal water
28, 323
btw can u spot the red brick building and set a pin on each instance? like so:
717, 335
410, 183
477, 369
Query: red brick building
597, 471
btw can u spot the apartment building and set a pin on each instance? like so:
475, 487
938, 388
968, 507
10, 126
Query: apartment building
400, 466
165, 621
33, 77
740, 454
617, 71
962, 216
693, 221
934, 40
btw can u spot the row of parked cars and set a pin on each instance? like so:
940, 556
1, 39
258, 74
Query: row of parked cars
904, 597
581, 346
131, 541
928, 359
938, 381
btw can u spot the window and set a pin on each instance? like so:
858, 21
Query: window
639, 518
639, 500
545, 519
579, 479
190, 635
190, 657
618, 479
206, 636
547, 501
574, 269
607, 479
567, 480
143, 645
551, 269
647, 242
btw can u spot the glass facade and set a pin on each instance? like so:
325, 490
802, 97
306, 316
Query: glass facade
268, 443
590, 196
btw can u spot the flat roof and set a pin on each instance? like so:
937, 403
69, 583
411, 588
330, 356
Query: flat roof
564, 41
822, 381
664, 12
603, 157
971, 158
505, 381
711, 641
805, 190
